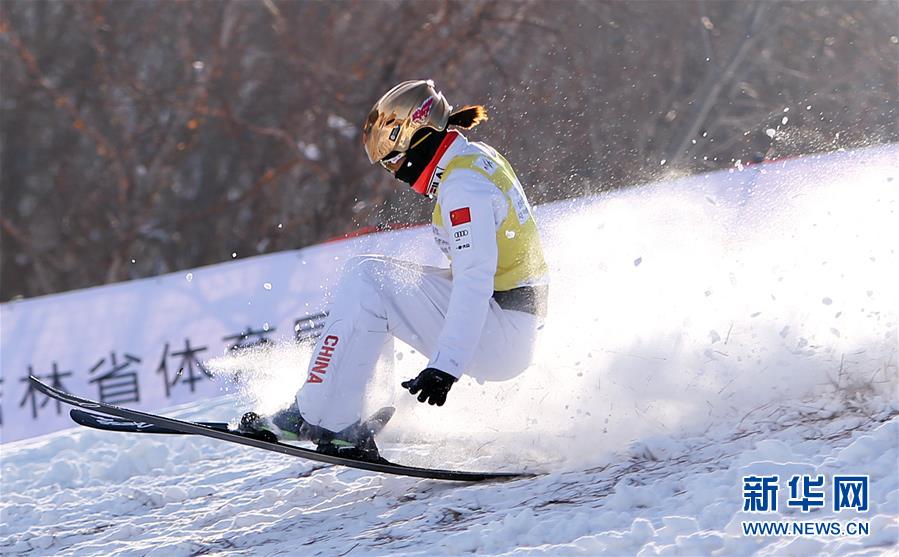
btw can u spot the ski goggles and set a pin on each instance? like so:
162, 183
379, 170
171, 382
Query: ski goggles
392, 161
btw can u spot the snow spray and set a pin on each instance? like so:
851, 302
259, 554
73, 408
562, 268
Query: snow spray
683, 304
673, 307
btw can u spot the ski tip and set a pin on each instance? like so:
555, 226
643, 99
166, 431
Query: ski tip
384, 414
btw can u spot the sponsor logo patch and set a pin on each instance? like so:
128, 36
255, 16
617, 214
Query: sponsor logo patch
486, 165
423, 111
435, 181
520, 204
441, 242
462, 238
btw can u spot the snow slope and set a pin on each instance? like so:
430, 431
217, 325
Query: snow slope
700, 330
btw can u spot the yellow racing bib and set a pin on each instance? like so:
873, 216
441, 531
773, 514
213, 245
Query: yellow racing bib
520, 259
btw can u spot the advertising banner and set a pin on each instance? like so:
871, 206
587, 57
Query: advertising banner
142, 343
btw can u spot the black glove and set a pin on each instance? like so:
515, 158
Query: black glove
433, 384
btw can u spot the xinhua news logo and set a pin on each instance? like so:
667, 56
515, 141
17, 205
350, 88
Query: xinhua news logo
807, 493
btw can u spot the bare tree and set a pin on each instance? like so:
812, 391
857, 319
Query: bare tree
140, 138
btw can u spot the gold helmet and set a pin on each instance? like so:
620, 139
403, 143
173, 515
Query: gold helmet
400, 113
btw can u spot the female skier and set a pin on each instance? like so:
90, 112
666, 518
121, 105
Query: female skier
479, 317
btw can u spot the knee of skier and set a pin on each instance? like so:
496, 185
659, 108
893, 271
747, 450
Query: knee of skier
362, 276
367, 268
502, 361
512, 367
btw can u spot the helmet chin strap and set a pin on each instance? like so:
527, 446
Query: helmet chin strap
419, 157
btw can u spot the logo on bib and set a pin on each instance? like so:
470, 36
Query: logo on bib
486, 165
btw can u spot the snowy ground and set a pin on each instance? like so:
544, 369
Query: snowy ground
694, 338
96, 493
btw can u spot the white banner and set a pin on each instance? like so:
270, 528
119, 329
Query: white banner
142, 343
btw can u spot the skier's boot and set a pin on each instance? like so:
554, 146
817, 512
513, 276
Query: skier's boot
284, 425
356, 442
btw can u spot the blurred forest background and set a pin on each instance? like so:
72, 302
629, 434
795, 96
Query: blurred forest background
140, 138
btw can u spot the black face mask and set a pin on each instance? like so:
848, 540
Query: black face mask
418, 158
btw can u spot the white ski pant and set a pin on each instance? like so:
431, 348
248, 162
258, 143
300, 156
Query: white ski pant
379, 298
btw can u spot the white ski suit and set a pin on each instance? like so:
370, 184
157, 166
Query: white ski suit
455, 317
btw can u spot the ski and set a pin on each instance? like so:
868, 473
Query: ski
283, 448
111, 423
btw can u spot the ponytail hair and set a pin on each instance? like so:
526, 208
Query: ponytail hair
467, 117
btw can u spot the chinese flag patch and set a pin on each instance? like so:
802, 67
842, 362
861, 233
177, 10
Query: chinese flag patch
460, 216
